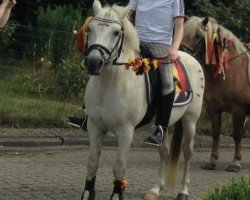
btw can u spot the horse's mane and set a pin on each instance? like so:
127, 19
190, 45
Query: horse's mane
193, 25
131, 40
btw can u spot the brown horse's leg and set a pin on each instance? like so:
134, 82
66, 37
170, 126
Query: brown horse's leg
239, 117
216, 130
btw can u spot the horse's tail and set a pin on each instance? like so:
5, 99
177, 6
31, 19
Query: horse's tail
175, 150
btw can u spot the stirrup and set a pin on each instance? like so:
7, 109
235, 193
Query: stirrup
80, 109
156, 138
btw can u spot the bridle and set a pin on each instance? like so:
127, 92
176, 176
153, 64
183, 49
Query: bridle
104, 50
196, 50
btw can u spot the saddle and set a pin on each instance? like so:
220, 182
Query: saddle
183, 90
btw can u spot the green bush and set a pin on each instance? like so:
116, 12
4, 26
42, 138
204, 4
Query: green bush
42, 79
236, 190
55, 31
58, 70
72, 78
6, 35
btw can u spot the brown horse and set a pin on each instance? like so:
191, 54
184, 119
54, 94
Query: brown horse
227, 75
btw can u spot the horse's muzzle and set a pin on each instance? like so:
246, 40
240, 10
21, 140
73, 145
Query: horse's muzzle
93, 65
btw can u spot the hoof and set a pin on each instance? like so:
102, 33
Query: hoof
182, 196
88, 195
208, 166
233, 168
151, 196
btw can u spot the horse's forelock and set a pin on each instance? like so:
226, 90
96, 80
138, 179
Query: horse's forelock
108, 12
192, 27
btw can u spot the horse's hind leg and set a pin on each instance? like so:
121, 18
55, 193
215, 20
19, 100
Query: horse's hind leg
239, 117
125, 138
188, 151
215, 118
96, 140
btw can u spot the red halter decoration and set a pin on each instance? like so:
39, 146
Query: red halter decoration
81, 36
80, 41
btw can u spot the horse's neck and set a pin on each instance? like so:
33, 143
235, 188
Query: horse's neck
115, 75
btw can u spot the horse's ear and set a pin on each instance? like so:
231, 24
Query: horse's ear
97, 6
124, 12
205, 21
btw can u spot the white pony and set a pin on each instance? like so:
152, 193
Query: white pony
116, 101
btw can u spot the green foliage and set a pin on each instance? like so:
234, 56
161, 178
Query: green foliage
236, 190
58, 70
6, 34
233, 16
56, 28
72, 78
41, 80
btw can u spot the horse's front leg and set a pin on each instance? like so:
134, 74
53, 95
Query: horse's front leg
96, 140
239, 117
154, 192
125, 138
215, 118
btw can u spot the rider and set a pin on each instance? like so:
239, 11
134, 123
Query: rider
5, 9
156, 21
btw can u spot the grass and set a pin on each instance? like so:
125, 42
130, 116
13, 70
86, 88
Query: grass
19, 108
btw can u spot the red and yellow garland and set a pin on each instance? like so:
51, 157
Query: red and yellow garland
142, 65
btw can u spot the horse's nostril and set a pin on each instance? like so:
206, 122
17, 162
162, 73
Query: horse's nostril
93, 65
100, 64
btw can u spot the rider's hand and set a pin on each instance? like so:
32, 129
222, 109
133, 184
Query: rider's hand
9, 3
172, 54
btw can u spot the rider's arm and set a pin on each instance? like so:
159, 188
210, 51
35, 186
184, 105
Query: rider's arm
178, 32
5, 9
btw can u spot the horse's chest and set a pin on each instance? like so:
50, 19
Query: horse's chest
112, 107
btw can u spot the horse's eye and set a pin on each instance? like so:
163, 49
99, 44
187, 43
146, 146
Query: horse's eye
116, 33
88, 29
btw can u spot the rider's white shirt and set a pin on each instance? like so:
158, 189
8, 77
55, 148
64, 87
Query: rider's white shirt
155, 19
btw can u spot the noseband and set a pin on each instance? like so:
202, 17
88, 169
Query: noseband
102, 49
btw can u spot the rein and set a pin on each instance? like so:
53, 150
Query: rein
238, 55
149, 59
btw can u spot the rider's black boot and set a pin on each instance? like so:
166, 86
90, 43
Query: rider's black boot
164, 112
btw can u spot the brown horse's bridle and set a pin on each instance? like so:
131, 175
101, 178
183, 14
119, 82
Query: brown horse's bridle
195, 50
